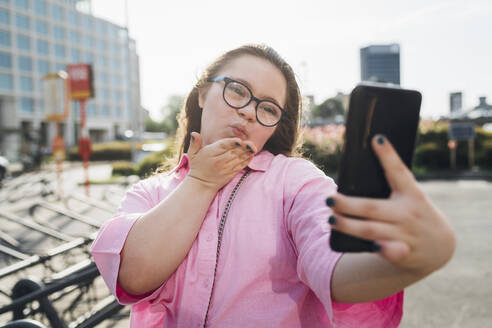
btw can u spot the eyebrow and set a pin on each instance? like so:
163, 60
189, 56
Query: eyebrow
262, 98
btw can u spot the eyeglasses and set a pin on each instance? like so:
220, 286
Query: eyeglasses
238, 95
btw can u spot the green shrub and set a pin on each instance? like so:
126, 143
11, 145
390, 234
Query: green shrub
431, 156
484, 156
151, 162
108, 151
122, 168
324, 159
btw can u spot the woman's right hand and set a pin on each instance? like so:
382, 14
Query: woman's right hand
216, 164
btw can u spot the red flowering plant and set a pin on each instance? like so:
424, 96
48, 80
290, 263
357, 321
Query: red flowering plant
323, 146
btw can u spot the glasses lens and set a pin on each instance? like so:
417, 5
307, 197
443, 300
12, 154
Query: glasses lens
236, 94
268, 113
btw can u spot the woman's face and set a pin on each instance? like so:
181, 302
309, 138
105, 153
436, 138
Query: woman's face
219, 120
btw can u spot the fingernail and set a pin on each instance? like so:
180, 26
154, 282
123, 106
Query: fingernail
375, 247
330, 202
251, 151
248, 147
380, 140
332, 220
192, 137
238, 144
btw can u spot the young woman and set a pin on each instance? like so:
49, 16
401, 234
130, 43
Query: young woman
237, 234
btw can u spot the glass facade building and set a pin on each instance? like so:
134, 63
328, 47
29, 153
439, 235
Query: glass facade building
380, 63
38, 37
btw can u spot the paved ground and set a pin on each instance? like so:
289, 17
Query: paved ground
459, 295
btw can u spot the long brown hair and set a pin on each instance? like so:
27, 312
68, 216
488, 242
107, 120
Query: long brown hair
285, 139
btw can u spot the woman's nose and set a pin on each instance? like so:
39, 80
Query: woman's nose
248, 112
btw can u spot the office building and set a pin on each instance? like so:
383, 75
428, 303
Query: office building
380, 63
455, 102
43, 36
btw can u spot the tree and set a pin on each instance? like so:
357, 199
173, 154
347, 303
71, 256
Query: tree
170, 112
328, 109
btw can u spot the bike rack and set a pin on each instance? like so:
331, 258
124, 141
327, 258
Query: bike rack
35, 226
90, 201
39, 259
70, 214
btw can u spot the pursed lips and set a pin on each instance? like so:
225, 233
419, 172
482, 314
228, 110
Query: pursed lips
239, 131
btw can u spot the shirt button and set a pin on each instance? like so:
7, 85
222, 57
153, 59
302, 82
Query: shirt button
210, 237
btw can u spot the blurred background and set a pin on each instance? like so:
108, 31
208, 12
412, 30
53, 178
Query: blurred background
90, 90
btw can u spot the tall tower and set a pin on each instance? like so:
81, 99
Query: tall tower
380, 63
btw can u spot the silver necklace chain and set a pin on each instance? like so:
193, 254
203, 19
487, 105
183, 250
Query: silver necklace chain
221, 231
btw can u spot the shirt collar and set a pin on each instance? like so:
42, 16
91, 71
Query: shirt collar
260, 162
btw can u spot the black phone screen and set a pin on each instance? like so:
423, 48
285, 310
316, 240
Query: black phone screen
374, 109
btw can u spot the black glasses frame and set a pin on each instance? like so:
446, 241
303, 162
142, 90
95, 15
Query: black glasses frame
228, 80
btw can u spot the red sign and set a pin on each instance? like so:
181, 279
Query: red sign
81, 81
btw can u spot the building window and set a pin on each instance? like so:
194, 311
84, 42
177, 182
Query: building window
101, 27
59, 51
5, 60
23, 42
105, 111
40, 7
75, 55
73, 36
27, 105
4, 17
88, 41
4, 38
43, 67
91, 109
41, 27
104, 62
72, 17
89, 57
25, 84
59, 67
43, 47
25, 63
22, 22
59, 33
86, 22
58, 13
21, 4
103, 46
5, 81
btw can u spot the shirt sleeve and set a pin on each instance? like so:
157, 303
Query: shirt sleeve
306, 221
111, 238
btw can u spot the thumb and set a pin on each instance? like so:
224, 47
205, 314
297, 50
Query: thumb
195, 144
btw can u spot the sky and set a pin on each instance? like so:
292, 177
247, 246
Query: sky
445, 45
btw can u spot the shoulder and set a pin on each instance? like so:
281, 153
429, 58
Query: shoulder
294, 172
297, 167
148, 192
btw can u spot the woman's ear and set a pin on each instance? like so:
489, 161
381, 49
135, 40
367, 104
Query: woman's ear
202, 93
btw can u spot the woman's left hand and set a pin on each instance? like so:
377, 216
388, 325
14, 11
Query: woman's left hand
412, 232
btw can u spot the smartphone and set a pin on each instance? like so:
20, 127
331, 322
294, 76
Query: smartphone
373, 109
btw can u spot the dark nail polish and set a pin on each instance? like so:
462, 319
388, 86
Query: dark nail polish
251, 151
332, 220
380, 140
238, 144
248, 148
330, 202
375, 247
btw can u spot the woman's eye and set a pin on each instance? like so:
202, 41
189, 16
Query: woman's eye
238, 90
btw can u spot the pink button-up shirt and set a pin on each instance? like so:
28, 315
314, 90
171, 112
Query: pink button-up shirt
275, 264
